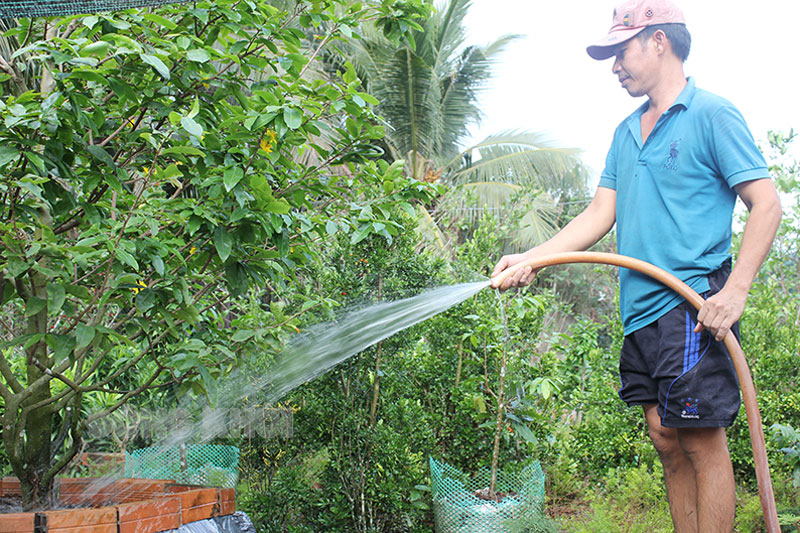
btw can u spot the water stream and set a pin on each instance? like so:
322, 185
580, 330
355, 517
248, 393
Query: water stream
311, 354
305, 357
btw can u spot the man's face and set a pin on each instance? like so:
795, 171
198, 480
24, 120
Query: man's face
634, 66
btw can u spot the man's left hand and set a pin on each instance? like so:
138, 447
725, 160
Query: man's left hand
720, 312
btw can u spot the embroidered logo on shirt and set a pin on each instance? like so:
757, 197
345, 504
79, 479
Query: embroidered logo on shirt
689, 409
671, 163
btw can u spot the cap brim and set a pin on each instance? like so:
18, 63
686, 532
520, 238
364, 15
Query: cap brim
604, 48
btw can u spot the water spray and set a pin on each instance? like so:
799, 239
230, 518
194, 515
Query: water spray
734, 349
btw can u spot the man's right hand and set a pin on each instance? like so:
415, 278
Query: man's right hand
520, 278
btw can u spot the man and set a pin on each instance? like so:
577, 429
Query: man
670, 183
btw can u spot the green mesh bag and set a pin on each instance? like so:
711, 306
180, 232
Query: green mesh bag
194, 464
12, 9
457, 509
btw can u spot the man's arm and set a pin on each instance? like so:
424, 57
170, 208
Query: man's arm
582, 232
723, 309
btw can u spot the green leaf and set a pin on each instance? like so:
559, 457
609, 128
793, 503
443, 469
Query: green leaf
192, 127
84, 335
223, 242
368, 98
7, 155
198, 55
183, 150
55, 297
26, 341
293, 117
243, 335
361, 233
280, 207
232, 177
62, 345
126, 258
98, 152
195, 108
331, 228
158, 265
16, 266
34, 305
157, 64
145, 299
159, 21
525, 432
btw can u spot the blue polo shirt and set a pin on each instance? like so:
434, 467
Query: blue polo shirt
675, 196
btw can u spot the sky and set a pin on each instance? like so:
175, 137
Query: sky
744, 51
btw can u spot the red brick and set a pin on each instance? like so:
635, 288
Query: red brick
17, 522
151, 525
199, 504
10, 487
97, 492
71, 518
197, 497
148, 509
201, 512
227, 501
97, 528
227, 508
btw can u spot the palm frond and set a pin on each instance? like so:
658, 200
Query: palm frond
469, 202
530, 215
404, 90
520, 158
535, 227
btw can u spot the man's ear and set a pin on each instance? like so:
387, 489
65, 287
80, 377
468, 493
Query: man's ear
660, 41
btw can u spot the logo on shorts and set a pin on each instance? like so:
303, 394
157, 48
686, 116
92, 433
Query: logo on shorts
671, 163
689, 409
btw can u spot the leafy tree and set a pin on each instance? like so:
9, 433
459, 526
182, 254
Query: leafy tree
428, 92
147, 182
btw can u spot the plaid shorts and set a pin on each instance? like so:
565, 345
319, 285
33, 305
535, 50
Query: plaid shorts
689, 375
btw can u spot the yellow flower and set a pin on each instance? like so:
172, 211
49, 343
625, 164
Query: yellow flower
139, 287
265, 145
192, 250
272, 136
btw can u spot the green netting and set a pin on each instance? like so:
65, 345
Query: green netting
37, 8
457, 508
194, 464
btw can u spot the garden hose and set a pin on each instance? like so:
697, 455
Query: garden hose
734, 349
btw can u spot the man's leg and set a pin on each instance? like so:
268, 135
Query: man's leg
698, 475
707, 450
679, 474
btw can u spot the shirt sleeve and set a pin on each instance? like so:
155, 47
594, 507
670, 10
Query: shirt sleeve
608, 178
735, 152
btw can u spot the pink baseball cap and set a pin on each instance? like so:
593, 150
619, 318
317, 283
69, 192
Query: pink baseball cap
630, 18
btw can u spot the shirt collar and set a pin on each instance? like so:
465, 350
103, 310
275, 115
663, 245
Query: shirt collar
685, 98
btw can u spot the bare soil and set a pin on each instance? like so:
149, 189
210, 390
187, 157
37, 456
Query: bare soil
10, 505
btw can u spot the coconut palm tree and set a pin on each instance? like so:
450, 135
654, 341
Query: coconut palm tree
429, 98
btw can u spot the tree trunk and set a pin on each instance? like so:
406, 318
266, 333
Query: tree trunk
498, 430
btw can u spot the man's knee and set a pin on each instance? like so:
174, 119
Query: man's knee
665, 441
703, 443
